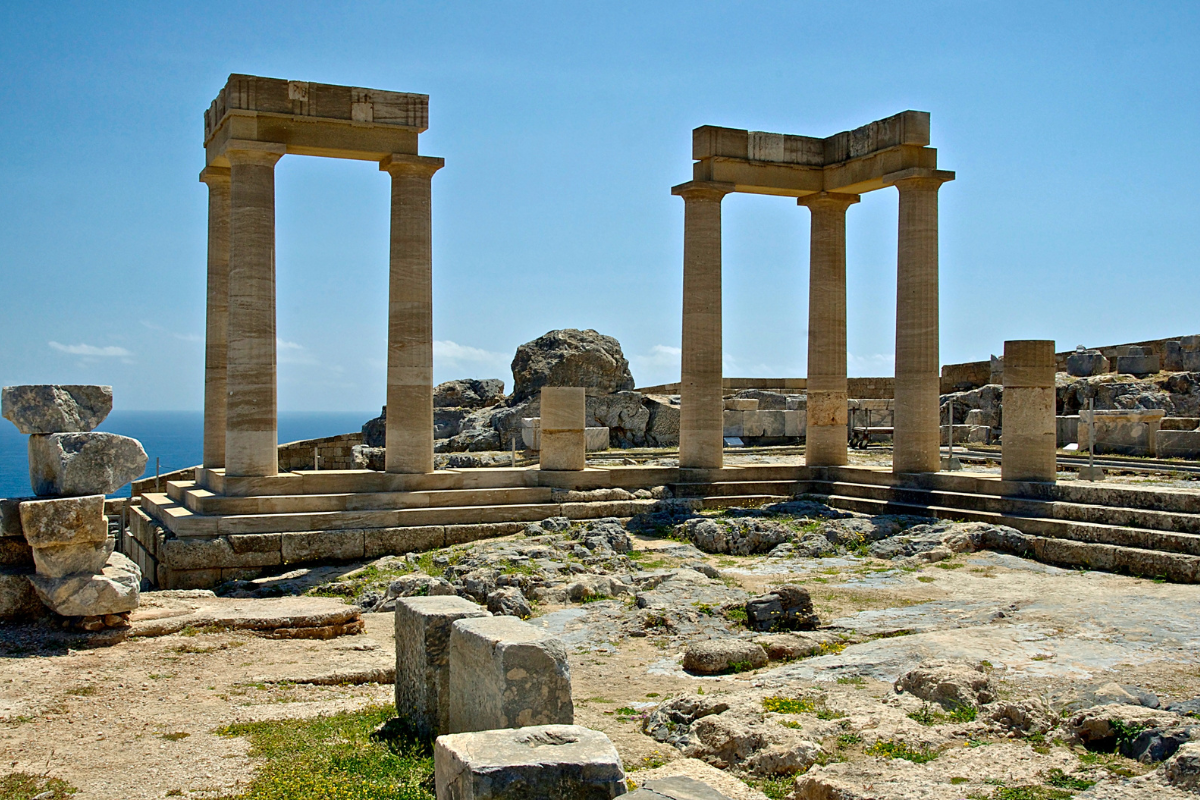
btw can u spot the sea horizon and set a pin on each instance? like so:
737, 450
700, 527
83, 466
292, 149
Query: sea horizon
174, 438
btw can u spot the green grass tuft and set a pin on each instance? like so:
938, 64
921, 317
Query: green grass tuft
894, 749
23, 786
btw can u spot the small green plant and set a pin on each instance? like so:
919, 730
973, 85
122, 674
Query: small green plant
832, 648
706, 609
23, 785
924, 579
1060, 780
1125, 733
652, 694
740, 666
736, 614
790, 723
774, 788
789, 705
896, 749
824, 712
176, 736
957, 781
81, 691
856, 680
845, 740
627, 711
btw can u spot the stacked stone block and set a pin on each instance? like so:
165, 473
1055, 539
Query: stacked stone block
76, 572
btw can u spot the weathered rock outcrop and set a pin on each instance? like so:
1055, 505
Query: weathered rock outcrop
570, 357
468, 393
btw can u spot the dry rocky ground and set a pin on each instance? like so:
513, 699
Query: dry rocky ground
938, 669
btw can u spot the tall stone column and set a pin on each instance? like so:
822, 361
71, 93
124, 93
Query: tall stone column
410, 316
1028, 449
918, 375
251, 436
701, 411
826, 435
564, 443
216, 334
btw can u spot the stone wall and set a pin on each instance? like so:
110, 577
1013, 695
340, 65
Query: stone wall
336, 452
865, 388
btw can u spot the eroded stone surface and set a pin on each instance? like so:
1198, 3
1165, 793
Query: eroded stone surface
48, 408
723, 655
64, 521
113, 591
505, 673
83, 463
18, 600
69, 559
530, 763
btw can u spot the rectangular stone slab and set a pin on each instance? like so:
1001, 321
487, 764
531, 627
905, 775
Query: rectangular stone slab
423, 658
505, 673
63, 521
533, 763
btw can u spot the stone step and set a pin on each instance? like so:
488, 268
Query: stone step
202, 501
1151, 542
1061, 520
730, 488
744, 500
183, 522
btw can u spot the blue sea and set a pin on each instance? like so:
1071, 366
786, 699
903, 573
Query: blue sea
175, 438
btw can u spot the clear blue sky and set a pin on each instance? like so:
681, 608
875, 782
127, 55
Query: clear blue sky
1074, 129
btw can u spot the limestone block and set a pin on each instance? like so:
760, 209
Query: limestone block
751, 423
70, 559
200, 553
113, 591
1182, 356
797, 402
961, 433
10, 516
732, 423
55, 409
395, 541
1177, 444
741, 404
423, 658
595, 439
773, 423
322, 546
505, 673
1124, 432
1137, 361
83, 463
794, 423
1066, 429
18, 600
979, 434
62, 521
676, 787
532, 763
563, 408
1085, 363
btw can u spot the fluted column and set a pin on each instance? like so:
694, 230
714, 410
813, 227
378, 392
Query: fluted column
216, 334
826, 435
701, 411
251, 436
409, 442
918, 376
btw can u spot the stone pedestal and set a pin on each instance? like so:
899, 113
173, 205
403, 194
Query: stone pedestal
251, 435
700, 417
563, 441
531, 763
1030, 428
1130, 432
918, 374
826, 436
423, 658
505, 673
409, 441
216, 335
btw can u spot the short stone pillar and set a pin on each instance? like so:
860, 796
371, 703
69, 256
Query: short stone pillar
1030, 428
543, 761
505, 673
563, 441
423, 658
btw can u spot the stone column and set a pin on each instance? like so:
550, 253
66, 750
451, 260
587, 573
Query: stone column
409, 435
251, 437
216, 334
918, 374
564, 442
1029, 442
826, 434
701, 412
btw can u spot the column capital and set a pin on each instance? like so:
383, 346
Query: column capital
702, 190
403, 163
245, 151
918, 178
831, 200
214, 175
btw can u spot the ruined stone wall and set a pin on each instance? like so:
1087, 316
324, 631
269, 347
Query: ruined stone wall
336, 452
863, 388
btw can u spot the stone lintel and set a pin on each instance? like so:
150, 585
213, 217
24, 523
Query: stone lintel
905, 128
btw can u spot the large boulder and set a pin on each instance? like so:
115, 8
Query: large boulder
468, 393
83, 463
47, 408
570, 357
714, 656
624, 414
950, 684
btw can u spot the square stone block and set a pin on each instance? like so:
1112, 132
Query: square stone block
423, 658
794, 423
505, 673
67, 520
773, 423
563, 450
596, 439
322, 546
70, 559
1177, 444
732, 423
741, 404
563, 408
543, 762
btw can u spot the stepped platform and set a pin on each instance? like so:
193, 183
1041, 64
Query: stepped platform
216, 528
